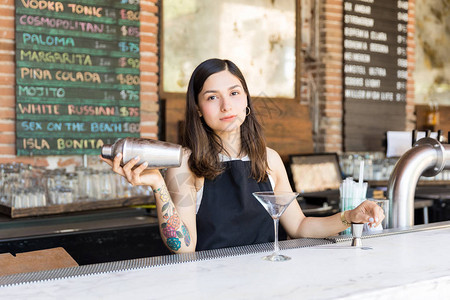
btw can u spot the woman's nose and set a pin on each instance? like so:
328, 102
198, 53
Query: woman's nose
226, 104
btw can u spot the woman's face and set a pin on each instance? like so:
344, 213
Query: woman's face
222, 102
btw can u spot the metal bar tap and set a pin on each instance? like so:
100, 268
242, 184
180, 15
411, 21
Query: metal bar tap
428, 157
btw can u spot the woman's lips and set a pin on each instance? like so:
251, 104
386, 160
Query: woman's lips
228, 118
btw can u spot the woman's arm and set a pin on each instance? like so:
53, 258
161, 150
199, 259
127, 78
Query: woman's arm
297, 225
176, 210
182, 205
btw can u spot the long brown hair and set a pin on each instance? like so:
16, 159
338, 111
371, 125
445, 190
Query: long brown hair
201, 139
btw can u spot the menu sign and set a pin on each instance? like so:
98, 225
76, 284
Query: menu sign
375, 68
77, 75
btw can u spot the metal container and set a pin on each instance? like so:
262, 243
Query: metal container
157, 154
357, 230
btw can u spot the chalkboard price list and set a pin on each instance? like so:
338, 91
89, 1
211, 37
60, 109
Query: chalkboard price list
375, 64
77, 75
374, 71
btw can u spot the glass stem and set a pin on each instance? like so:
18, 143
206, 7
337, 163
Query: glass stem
275, 243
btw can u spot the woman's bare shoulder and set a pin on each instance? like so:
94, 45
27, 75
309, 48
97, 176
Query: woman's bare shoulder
276, 165
272, 156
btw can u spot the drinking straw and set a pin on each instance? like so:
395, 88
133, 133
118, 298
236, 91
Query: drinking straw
347, 193
360, 182
361, 172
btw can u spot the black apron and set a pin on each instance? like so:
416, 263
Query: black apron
229, 215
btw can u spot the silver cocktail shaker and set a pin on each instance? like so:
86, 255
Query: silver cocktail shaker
158, 154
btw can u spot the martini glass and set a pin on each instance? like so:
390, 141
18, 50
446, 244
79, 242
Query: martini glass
275, 203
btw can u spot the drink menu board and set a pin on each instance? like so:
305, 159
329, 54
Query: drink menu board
375, 71
77, 75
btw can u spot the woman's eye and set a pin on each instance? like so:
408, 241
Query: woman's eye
212, 97
234, 93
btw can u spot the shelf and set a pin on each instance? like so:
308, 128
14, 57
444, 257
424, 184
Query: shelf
75, 207
381, 183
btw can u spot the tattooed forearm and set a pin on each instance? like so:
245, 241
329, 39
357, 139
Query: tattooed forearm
163, 194
172, 228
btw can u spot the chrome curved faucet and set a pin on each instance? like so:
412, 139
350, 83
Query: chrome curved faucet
428, 157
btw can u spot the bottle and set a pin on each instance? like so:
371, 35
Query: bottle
432, 120
157, 154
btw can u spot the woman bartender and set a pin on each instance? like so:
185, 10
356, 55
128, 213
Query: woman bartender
207, 202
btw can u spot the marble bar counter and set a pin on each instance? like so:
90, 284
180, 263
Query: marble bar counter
394, 264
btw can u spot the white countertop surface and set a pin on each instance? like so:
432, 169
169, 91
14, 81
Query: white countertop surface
412, 265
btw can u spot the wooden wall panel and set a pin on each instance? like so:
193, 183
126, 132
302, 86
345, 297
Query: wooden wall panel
366, 123
287, 126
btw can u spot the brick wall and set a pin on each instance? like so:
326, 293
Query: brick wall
149, 85
410, 96
149, 69
7, 80
329, 136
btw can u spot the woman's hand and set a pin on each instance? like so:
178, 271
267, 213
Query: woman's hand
366, 212
136, 175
